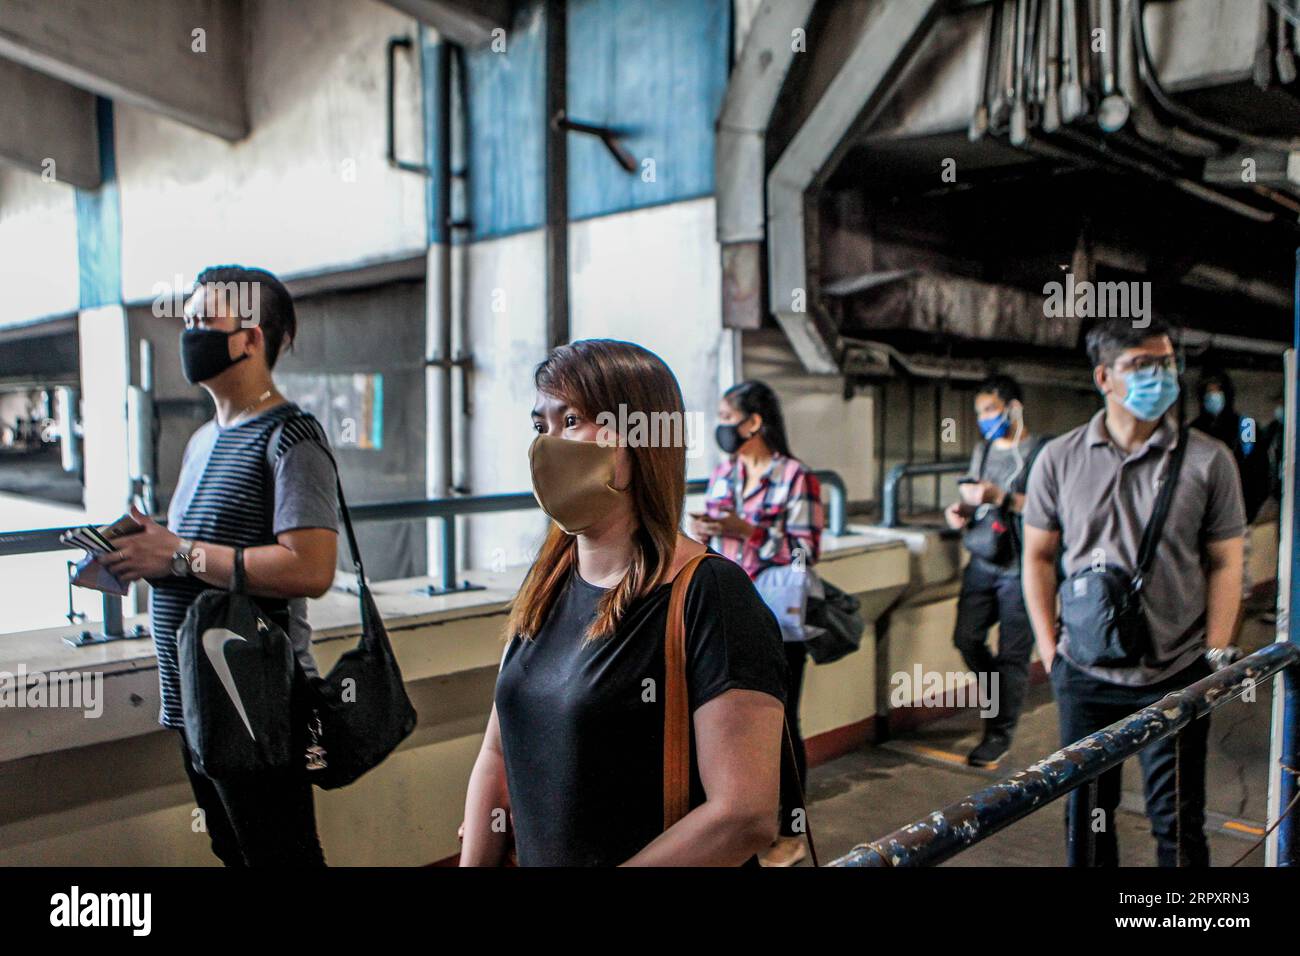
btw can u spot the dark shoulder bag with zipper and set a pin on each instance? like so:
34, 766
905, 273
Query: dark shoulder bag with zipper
992, 536
1101, 610
359, 712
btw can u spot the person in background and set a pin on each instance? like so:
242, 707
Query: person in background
1272, 446
992, 497
1272, 441
1218, 417
764, 508
1091, 496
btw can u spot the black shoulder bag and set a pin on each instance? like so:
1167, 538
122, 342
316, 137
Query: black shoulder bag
1101, 609
992, 534
359, 712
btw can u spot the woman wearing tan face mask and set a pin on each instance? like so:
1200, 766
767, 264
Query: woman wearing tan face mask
574, 753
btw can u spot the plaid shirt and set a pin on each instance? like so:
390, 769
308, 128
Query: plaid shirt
785, 506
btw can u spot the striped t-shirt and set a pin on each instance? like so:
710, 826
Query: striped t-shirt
232, 492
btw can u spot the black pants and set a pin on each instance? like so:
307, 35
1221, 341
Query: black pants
265, 820
795, 659
992, 594
1175, 789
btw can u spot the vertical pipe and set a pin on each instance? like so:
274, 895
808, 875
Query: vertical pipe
440, 288
148, 480
880, 449
557, 176
459, 235
1080, 840
113, 616
449, 553
1288, 753
911, 442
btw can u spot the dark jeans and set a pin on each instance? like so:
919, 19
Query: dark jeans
795, 658
991, 594
265, 820
1175, 788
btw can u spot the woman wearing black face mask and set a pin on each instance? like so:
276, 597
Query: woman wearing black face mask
578, 756
764, 509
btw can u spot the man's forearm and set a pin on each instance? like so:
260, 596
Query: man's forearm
1038, 578
1222, 604
272, 570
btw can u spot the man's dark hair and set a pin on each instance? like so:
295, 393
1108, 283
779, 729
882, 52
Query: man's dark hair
1003, 386
275, 313
1108, 339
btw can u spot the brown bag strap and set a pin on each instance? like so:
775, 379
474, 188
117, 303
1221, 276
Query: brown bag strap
677, 714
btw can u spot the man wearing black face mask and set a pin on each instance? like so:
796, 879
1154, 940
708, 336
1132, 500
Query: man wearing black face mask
258, 477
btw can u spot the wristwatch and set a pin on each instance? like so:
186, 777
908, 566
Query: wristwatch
181, 559
1221, 657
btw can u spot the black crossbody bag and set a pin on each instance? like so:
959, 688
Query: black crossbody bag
359, 712
1101, 610
992, 536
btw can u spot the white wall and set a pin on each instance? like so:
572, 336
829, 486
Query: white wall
281, 198
38, 247
506, 302
653, 277
649, 276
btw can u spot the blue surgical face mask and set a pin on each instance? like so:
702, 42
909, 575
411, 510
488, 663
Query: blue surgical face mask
1151, 392
995, 427
1215, 402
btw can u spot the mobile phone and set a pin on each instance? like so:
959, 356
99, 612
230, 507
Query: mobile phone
968, 480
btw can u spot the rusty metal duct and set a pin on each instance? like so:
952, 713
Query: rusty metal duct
740, 159
861, 85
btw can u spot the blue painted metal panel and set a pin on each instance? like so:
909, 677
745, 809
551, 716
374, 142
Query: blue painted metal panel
656, 71
99, 223
507, 129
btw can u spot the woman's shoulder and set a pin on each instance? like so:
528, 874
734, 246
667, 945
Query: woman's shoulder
719, 575
792, 470
721, 471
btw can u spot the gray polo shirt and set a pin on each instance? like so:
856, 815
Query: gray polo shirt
1100, 499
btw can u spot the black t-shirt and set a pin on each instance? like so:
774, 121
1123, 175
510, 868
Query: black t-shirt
582, 724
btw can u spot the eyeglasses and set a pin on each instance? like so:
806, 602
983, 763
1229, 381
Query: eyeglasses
1150, 363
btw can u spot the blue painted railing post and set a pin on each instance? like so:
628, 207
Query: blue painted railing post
1288, 844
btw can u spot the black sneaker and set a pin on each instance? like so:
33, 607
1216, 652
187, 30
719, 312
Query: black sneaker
991, 750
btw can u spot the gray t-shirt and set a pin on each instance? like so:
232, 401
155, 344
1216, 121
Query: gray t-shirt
1100, 500
1006, 467
305, 497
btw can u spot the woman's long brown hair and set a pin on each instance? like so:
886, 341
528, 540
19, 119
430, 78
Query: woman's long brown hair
596, 376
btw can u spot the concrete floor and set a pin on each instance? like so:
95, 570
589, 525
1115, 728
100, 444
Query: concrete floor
867, 794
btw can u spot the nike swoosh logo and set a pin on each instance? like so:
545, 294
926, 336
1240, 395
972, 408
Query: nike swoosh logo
214, 644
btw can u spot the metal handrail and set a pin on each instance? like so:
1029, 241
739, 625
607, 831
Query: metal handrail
446, 509
908, 469
943, 834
